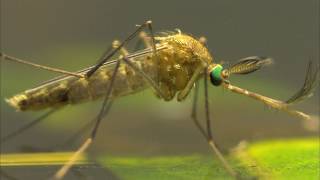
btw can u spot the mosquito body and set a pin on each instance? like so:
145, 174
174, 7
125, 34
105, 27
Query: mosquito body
171, 64
179, 56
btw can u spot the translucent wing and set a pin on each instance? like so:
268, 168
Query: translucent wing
134, 56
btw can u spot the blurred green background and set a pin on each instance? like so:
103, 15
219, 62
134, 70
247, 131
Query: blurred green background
73, 34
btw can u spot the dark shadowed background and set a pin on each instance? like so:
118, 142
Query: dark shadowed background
73, 34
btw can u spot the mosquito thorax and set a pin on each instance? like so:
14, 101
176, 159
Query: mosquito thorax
216, 74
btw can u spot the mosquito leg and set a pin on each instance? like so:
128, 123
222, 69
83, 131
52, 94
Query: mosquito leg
64, 169
14, 59
119, 47
183, 94
144, 39
209, 133
84, 128
153, 41
145, 76
154, 48
123, 51
194, 111
27, 126
78, 133
206, 98
107, 56
102, 113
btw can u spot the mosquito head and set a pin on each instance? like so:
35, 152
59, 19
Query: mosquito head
247, 65
217, 74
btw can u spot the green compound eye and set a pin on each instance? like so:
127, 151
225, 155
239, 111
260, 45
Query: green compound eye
215, 75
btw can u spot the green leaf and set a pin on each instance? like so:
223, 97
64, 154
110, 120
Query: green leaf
283, 159
276, 159
170, 167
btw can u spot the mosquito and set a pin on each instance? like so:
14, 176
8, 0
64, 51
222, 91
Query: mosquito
172, 64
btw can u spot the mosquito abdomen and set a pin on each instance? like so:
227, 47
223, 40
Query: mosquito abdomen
76, 90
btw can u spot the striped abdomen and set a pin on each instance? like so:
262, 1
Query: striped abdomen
72, 90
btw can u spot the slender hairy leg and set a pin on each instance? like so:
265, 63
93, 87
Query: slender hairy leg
194, 111
183, 93
27, 126
80, 132
72, 138
14, 59
107, 56
153, 84
64, 169
145, 39
117, 47
60, 174
209, 133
